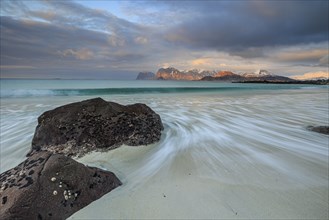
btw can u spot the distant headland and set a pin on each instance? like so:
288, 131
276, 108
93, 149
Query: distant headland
261, 76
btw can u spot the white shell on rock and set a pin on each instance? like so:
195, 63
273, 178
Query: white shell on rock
55, 193
53, 179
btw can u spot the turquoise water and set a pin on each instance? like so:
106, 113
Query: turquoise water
28, 88
243, 136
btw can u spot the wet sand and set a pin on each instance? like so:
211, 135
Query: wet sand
180, 190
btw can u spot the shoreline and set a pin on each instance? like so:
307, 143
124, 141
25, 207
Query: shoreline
297, 82
223, 153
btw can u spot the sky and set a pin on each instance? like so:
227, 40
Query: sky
117, 39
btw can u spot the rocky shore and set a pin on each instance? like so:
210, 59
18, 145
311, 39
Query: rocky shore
49, 184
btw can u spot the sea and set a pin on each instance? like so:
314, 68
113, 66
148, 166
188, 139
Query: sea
228, 150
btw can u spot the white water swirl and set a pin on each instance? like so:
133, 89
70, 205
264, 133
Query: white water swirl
255, 139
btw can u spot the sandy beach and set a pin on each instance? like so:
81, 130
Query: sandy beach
183, 190
241, 152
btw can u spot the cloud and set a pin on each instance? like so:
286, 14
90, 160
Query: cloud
82, 54
240, 26
306, 55
45, 15
61, 47
39, 41
324, 61
312, 75
199, 62
116, 41
141, 40
66, 36
71, 14
249, 52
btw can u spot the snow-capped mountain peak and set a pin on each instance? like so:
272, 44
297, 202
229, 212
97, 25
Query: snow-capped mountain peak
263, 73
258, 73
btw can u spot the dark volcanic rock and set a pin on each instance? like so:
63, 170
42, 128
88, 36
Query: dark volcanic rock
51, 186
319, 129
95, 124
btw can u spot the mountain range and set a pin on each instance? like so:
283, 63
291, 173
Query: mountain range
172, 73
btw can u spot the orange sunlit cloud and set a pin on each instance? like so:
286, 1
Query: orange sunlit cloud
312, 75
200, 62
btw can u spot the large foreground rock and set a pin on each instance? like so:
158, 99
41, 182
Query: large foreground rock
95, 124
51, 186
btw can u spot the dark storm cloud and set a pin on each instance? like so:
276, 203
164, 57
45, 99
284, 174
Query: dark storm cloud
240, 25
35, 49
35, 40
67, 13
66, 35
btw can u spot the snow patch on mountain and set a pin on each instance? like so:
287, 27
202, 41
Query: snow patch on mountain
258, 73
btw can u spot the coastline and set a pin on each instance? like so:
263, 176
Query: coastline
177, 109
244, 151
297, 82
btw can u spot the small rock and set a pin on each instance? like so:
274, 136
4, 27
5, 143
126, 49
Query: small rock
319, 129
